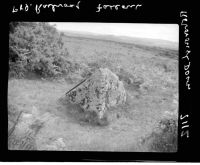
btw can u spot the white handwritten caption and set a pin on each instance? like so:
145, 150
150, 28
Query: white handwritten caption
184, 24
116, 7
39, 7
184, 126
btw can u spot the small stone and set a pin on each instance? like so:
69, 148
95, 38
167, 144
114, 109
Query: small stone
57, 144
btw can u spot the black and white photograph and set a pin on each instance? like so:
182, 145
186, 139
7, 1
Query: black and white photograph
86, 86
98, 81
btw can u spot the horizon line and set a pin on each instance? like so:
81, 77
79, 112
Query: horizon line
115, 35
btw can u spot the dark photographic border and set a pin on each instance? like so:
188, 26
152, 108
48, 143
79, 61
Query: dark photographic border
166, 12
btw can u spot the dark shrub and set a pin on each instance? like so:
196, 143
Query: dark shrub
36, 47
166, 140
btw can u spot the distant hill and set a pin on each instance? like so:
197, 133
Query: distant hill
124, 39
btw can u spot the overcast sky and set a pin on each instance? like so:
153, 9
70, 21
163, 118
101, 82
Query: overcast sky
157, 31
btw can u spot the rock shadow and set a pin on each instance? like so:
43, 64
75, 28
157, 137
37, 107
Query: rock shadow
78, 115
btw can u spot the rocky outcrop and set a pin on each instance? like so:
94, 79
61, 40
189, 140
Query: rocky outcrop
23, 136
99, 92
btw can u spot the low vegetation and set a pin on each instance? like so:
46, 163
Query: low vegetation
37, 47
166, 140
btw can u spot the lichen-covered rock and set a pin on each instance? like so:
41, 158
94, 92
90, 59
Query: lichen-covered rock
99, 92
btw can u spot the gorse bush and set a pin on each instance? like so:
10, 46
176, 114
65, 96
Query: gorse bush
36, 47
167, 140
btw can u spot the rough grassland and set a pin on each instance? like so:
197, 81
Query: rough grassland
152, 96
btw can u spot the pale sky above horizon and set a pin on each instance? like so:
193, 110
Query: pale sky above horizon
168, 32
